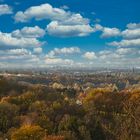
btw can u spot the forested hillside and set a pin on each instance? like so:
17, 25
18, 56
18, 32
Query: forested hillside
37, 112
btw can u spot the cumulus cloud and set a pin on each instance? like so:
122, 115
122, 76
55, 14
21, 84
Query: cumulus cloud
125, 51
15, 52
16, 55
74, 19
107, 55
21, 47
133, 31
117, 53
43, 11
21, 59
58, 61
119, 57
18, 52
98, 27
111, 56
130, 36
65, 51
104, 52
126, 43
7, 40
62, 23
29, 32
90, 55
54, 56
106, 31
133, 25
46, 11
37, 50
60, 30
110, 32
5, 9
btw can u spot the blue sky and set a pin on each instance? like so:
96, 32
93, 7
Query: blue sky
75, 33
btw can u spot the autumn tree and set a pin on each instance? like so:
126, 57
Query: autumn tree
8, 113
28, 132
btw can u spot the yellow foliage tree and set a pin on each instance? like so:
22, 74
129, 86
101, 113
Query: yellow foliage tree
28, 132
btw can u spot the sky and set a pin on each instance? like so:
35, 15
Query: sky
69, 33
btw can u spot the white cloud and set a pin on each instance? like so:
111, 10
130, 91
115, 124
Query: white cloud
29, 32
98, 27
74, 19
124, 51
126, 43
132, 33
65, 51
46, 11
60, 30
37, 50
90, 55
21, 59
54, 57
7, 40
107, 55
133, 25
18, 51
17, 55
110, 32
111, 56
106, 31
5, 9
104, 52
58, 61
130, 37
15, 52
118, 57
63, 23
